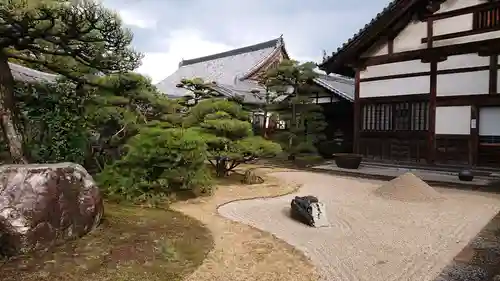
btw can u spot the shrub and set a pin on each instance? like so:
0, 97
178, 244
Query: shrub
328, 148
308, 160
158, 163
225, 128
304, 148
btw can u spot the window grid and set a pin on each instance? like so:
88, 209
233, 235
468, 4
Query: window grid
487, 18
405, 116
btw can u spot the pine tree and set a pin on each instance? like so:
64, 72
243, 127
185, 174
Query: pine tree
290, 89
61, 37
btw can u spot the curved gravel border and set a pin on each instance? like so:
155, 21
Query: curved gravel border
243, 252
370, 238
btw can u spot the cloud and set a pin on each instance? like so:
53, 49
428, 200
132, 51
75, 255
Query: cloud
132, 18
180, 44
159, 26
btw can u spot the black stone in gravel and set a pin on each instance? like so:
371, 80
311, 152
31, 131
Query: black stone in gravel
301, 209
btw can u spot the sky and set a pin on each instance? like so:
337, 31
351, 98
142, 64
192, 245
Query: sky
167, 31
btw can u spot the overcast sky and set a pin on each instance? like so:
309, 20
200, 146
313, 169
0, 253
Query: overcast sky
167, 31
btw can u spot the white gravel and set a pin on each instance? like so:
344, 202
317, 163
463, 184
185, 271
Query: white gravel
371, 238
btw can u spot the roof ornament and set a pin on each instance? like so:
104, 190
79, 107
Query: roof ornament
280, 41
325, 56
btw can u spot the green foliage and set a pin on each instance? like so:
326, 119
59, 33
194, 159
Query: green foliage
112, 121
54, 122
118, 110
305, 120
158, 163
199, 90
225, 128
80, 40
328, 148
308, 160
83, 36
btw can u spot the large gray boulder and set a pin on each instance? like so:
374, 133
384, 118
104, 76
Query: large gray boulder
45, 204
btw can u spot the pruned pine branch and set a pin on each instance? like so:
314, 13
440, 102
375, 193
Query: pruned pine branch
85, 31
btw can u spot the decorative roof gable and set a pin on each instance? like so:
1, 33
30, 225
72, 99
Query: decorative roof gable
227, 69
236, 72
393, 13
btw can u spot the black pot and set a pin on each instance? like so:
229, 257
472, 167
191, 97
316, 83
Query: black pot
348, 161
466, 175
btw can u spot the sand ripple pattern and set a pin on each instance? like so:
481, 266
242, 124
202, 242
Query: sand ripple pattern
370, 237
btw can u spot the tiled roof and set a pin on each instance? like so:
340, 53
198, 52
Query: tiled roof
340, 85
386, 16
235, 52
224, 68
228, 70
25, 74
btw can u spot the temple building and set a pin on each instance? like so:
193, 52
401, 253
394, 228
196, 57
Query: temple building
237, 73
426, 83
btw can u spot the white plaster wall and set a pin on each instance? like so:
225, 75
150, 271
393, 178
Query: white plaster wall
325, 100
378, 49
498, 79
451, 5
453, 24
489, 121
469, 83
466, 39
404, 67
394, 87
453, 120
461, 61
410, 37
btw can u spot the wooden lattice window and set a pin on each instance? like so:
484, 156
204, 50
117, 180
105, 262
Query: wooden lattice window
402, 116
406, 116
486, 19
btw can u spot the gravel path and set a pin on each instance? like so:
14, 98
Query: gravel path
241, 252
371, 238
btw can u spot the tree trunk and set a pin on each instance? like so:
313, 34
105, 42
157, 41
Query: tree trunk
8, 123
264, 128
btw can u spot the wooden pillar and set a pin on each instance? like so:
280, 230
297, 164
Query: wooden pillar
493, 87
357, 112
431, 137
474, 135
431, 133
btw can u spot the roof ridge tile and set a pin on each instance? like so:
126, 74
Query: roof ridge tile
233, 52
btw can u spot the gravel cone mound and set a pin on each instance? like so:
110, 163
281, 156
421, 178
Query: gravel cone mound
408, 188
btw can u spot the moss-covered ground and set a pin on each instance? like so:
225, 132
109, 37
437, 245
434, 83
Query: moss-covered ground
131, 244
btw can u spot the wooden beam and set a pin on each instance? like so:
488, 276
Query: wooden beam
436, 52
463, 11
368, 36
395, 99
493, 74
426, 73
357, 112
461, 34
479, 100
